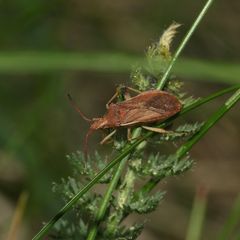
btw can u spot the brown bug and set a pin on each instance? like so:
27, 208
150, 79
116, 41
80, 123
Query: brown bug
145, 108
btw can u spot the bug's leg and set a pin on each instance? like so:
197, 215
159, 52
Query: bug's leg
118, 92
108, 137
155, 129
126, 93
133, 90
129, 134
112, 98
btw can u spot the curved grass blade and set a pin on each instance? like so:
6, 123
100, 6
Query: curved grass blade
183, 44
185, 148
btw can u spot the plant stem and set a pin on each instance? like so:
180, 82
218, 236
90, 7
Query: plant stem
123, 154
183, 44
105, 202
123, 195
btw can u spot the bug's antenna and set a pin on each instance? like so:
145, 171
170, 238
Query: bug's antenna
75, 106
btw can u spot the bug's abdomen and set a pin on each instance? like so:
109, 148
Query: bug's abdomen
165, 103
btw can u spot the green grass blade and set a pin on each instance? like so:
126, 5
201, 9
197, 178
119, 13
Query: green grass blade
37, 62
197, 215
185, 148
232, 221
117, 159
210, 97
211, 121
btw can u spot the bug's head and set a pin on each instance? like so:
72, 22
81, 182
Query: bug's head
98, 123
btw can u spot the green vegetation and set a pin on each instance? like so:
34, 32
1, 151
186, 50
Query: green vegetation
100, 216
45, 50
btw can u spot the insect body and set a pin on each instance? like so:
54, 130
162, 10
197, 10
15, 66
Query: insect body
147, 107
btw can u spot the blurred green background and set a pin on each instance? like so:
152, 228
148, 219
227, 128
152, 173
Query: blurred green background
87, 48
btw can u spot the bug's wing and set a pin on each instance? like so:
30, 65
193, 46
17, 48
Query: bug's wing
140, 115
148, 107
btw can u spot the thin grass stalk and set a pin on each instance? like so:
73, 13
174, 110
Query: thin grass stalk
183, 44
